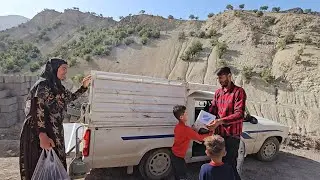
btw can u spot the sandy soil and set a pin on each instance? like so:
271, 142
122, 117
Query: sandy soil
291, 164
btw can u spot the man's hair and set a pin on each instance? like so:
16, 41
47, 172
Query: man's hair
214, 145
223, 71
179, 110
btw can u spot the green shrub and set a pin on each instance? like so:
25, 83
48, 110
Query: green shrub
300, 51
130, 30
269, 20
306, 39
281, 44
289, 38
212, 33
72, 62
222, 63
98, 51
221, 48
144, 40
259, 13
88, 58
255, 10
192, 33
202, 34
266, 75
182, 35
155, 34
247, 72
128, 41
214, 42
192, 51
116, 42
77, 78
34, 66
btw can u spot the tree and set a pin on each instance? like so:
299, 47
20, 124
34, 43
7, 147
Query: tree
275, 9
241, 6
142, 11
255, 10
76, 8
307, 11
192, 17
120, 17
101, 15
259, 13
170, 17
197, 18
210, 15
264, 8
229, 7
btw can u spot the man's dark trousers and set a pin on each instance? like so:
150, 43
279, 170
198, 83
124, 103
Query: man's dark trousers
232, 147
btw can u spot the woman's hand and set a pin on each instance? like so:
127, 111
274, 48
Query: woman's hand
86, 81
45, 141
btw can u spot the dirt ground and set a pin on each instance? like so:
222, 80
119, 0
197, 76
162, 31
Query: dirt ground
291, 164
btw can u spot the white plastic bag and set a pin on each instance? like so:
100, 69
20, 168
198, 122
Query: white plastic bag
49, 167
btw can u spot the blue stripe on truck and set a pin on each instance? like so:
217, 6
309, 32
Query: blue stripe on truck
128, 138
244, 135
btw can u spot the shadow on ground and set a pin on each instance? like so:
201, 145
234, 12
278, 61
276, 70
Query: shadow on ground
286, 167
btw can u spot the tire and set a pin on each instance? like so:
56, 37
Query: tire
269, 150
156, 165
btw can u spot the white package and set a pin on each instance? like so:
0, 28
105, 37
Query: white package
204, 118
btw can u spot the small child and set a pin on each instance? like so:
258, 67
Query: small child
216, 169
183, 134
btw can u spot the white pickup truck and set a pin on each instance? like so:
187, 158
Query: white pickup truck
129, 122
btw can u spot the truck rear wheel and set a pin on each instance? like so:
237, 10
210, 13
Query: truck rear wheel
156, 165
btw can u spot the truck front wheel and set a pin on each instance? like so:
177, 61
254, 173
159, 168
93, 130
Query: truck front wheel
156, 165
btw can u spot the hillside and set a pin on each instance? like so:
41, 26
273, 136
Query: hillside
274, 56
7, 22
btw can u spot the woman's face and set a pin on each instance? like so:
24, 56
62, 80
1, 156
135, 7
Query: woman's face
62, 72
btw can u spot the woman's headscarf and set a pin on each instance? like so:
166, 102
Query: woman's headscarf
50, 74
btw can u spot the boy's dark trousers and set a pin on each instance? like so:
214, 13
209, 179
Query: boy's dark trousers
179, 167
232, 147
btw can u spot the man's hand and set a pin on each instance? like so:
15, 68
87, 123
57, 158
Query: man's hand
86, 81
214, 124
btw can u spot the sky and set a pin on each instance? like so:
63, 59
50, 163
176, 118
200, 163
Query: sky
116, 8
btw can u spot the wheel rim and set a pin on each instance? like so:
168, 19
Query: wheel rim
269, 150
159, 164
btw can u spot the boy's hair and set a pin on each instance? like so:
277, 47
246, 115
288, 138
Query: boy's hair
178, 111
214, 145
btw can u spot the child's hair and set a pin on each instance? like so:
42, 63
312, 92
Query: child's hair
214, 145
178, 111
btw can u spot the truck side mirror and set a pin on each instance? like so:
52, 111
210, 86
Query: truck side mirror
253, 120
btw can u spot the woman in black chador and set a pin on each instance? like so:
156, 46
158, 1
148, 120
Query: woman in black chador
45, 108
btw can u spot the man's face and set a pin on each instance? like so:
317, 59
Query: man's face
224, 80
62, 72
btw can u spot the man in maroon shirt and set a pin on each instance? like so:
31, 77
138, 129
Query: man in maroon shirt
228, 105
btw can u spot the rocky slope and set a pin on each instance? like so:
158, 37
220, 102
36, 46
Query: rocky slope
275, 57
